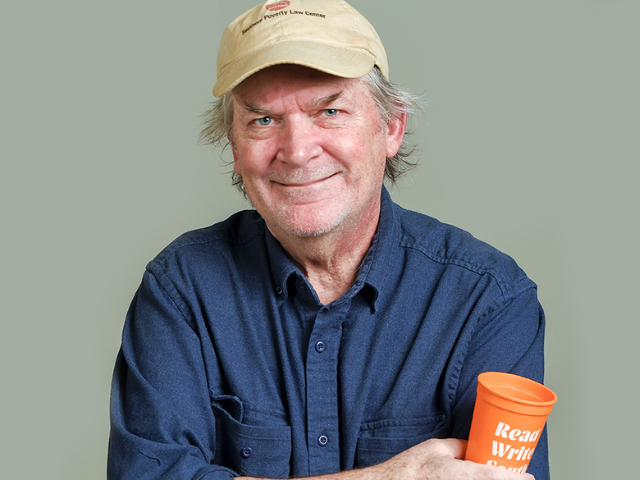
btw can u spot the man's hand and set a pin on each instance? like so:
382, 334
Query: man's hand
440, 460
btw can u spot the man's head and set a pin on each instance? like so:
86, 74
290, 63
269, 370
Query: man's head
278, 62
327, 35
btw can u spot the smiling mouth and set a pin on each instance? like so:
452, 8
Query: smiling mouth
301, 183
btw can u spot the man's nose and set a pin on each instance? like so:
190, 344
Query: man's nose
299, 142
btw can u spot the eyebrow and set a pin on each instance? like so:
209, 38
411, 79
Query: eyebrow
253, 109
317, 103
328, 100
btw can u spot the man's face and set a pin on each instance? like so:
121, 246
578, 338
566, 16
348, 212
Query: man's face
311, 150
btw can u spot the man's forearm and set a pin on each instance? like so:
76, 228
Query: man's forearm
430, 460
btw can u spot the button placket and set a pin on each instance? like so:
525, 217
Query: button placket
322, 391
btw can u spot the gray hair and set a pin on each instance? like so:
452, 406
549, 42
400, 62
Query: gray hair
391, 101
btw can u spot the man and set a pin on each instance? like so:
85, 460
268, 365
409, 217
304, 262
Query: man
328, 333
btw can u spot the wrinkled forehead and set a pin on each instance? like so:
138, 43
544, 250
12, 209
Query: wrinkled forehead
276, 82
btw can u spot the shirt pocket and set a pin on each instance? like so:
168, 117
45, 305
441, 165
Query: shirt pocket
380, 440
251, 450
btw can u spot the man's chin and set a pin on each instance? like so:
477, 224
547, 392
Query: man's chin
313, 227
308, 231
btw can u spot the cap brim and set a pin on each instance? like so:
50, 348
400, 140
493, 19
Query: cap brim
327, 58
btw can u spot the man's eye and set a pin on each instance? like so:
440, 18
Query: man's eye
331, 112
264, 121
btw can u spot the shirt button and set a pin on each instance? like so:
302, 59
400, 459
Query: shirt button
320, 347
279, 291
246, 452
323, 440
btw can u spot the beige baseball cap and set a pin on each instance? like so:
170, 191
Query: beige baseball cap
327, 35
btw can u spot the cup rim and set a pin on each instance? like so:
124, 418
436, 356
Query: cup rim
516, 382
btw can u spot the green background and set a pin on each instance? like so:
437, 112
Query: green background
529, 141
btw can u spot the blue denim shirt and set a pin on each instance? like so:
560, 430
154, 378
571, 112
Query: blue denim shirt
231, 366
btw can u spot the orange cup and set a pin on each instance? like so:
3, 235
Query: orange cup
508, 419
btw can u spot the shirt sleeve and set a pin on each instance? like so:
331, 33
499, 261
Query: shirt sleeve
508, 338
162, 424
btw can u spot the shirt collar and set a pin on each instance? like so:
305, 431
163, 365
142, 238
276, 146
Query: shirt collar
375, 266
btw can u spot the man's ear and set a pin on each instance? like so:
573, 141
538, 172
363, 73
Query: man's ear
233, 148
236, 165
395, 134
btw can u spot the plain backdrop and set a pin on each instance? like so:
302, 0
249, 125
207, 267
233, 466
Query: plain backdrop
529, 140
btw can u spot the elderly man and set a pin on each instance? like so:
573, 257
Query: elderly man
328, 333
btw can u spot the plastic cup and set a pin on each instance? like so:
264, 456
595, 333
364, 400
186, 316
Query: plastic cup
508, 419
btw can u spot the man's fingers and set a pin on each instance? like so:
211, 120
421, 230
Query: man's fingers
446, 453
492, 473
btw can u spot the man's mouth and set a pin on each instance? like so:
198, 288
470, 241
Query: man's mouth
304, 179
